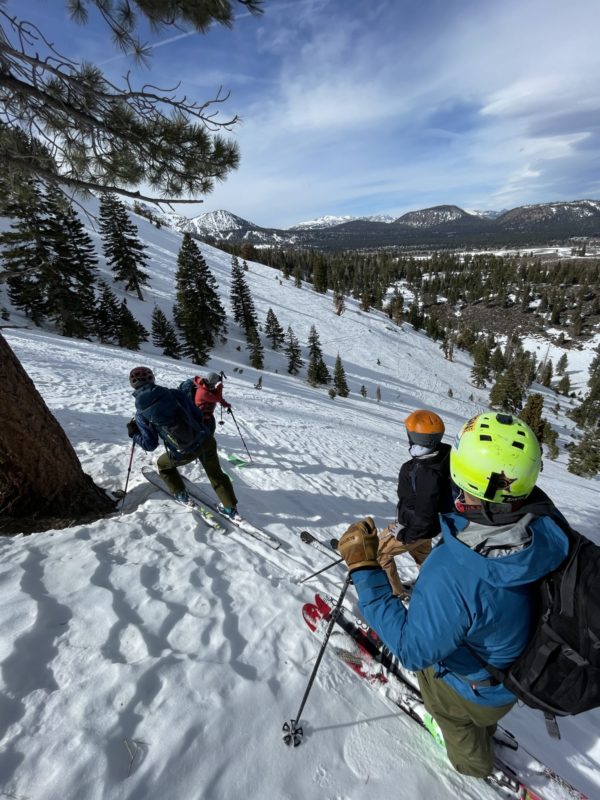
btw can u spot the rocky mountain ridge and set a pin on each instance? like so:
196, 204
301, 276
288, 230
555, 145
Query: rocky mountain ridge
441, 226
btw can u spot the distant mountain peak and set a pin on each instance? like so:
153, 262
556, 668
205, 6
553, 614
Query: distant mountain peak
330, 221
537, 223
434, 216
486, 214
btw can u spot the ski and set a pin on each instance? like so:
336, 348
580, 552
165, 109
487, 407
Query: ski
236, 461
327, 549
363, 652
238, 521
206, 514
371, 641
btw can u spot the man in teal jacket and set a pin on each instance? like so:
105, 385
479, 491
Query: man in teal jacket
474, 592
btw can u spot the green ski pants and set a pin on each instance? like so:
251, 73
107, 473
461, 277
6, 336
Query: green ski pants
207, 455
467, 727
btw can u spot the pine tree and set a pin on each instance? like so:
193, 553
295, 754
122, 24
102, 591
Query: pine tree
584, 458
297, 276
237, 289
70, 282
587, 412
545, 373
562, 364
507, 393
274, 331
131, 332
564, 385
254, 345
339, 378
108, 315
122, 247
532, 415
242, 304
378, 394
480, 372
293, 352
549, 438
394, 308
164, 334
317, 371
49, 261
319, 275
363, 390
198, 312
339, 303
27, 251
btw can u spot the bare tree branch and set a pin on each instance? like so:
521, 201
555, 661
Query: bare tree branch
65, 123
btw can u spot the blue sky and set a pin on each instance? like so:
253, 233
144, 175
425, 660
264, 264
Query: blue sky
368, 107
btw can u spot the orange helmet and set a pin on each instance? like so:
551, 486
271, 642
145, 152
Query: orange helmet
424, 428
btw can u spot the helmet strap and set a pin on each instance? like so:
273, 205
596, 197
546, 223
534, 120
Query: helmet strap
494, 483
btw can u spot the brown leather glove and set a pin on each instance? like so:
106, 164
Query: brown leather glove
358, 546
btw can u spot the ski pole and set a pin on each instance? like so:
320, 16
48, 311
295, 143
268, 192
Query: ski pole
329, 566
292, 732
240, 433
128, 474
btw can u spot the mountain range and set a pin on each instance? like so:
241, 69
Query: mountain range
439, 226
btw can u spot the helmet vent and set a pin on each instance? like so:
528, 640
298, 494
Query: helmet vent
483, 425
485, 437
521, 433
520, 445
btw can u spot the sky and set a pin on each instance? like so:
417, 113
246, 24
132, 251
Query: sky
356, 108
144, 657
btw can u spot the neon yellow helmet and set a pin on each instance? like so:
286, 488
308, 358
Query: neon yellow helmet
496, 457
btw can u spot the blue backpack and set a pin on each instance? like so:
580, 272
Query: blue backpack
169, 412
188, 387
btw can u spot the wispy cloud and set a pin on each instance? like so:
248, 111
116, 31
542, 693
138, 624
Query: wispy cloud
354, 107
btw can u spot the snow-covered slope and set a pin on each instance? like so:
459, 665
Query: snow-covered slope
146, 658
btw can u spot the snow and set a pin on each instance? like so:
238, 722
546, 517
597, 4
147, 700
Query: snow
147, 657
330, 221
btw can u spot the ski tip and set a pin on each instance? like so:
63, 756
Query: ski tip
306, 536
312, 616
322, 606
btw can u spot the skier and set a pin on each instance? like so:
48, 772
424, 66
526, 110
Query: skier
209, 392
475, 597
169, 415
423, 491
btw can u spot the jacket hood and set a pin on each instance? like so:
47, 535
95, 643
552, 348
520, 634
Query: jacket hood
438, 460
538, 503
147, 387
545, 552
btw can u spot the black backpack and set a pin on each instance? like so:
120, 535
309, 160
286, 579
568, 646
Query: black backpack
559, 670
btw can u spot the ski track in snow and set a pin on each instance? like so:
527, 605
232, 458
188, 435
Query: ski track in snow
146, 657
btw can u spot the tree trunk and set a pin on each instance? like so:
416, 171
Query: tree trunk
40, 475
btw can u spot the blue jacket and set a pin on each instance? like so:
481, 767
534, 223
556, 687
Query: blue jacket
158, 398
462, 596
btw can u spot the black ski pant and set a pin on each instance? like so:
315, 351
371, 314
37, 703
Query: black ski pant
207, 455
